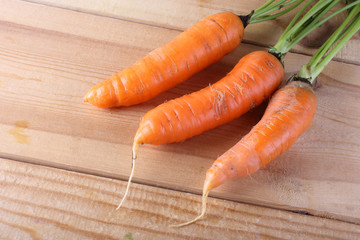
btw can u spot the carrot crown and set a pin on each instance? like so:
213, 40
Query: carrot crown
332, 46
299, 27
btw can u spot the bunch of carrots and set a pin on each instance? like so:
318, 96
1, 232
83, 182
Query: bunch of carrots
255, 78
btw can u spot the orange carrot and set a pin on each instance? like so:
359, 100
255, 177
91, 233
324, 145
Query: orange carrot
199, 46
289, 113
253, 79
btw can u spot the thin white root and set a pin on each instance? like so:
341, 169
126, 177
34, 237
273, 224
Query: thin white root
203, 210
135, 146
128, 184
134, 150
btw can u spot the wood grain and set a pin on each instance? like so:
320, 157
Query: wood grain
37, 202
50, 57
180, 15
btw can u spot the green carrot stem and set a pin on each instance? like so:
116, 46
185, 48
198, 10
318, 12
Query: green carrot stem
264, 6
355, 26
307, 31
297, 16
274, 16
267, 11
309, 28
305, 25
277, 6
286, 36
331, 41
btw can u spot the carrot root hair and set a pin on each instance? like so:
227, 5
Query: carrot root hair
134, 151
203, 210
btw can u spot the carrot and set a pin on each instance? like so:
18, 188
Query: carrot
201, 45
289, 113
252, 80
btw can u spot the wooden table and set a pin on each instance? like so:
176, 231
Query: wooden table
64, 164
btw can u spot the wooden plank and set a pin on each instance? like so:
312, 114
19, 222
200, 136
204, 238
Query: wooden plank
39, 203
48, 60
182, 14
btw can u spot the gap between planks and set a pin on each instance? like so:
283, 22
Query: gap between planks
84, 204
165, 26
89, 172
132, 20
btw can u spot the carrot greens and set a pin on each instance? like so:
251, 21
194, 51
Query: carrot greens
298, 28
332, 46
268, 10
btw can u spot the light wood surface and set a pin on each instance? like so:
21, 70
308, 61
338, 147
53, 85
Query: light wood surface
40, 203
51, 55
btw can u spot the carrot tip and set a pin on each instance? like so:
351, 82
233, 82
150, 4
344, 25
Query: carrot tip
134, 150
87, 96
128, 184
203, 210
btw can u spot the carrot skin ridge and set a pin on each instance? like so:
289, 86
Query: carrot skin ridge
289, 113
201, 45
256, 76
